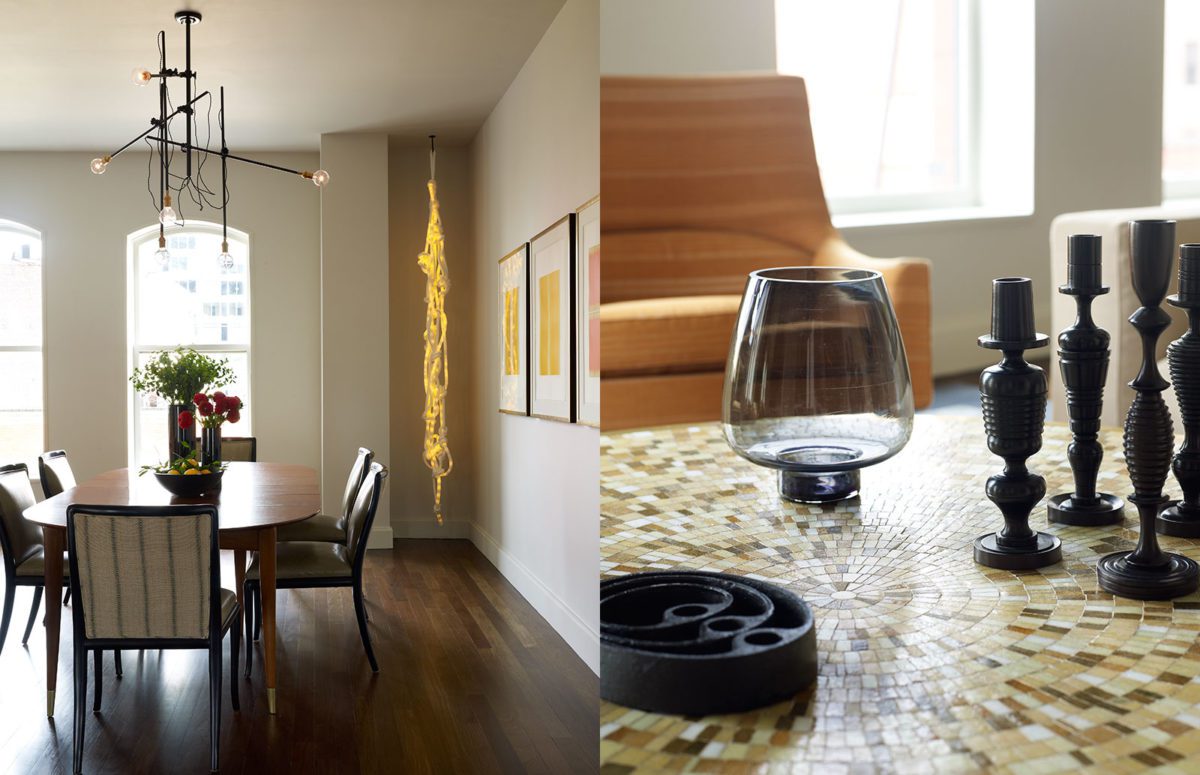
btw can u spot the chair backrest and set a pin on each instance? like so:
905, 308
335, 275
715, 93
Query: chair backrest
144, 572
242, 449
19, 537
729, 154
358, 472
362, 513
55, 472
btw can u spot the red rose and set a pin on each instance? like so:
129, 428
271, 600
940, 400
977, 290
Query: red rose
234, 402
234, 415
204, 409
220, 403
186, 419
199, 398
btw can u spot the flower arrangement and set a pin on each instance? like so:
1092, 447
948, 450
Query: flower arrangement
181, 374
214, 410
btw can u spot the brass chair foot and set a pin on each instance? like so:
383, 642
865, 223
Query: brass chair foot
49, 703
270, 701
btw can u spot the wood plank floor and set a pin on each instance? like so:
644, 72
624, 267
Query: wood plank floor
471, 680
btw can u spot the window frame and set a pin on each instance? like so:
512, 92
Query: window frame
20, 228
134, 241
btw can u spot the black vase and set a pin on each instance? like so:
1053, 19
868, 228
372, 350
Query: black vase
181, 442
210, 451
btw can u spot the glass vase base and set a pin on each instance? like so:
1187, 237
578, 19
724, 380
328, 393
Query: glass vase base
1104, 509
818, 488
1177, 577
990, 553
1179, 520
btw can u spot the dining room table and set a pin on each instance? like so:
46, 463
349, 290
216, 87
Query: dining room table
253, 501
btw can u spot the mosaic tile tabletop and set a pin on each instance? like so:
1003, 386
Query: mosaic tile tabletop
929, 663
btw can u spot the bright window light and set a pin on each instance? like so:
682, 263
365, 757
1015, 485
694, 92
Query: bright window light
1181, 100
22, 428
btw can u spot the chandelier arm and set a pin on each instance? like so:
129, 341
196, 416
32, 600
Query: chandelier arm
154, 124
235, 157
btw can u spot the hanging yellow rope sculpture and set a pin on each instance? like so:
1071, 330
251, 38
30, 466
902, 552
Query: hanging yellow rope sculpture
437, 376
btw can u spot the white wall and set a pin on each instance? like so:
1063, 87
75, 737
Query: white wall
537, 158
84, 220
669, 37
1098, 128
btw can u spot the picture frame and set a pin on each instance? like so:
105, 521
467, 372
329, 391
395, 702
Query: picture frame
587, 313
552, 322
512, 278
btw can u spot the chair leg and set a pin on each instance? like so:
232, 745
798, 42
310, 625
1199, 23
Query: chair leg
248, 596
98, 681
80, 709
37, 602
117, 662
235, 648
214, 700
10, 590
361, 610
67, 595
257, 611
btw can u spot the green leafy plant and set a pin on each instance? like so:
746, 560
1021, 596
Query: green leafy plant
177, 375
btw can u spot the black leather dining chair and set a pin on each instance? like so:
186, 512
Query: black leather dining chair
55, 472
149, 577
314, 564
326, 527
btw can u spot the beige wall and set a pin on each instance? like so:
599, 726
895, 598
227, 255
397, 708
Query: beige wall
537, 158
84, 220
408, 212
670, 37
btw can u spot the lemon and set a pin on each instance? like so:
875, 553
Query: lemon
173, 472
191, 472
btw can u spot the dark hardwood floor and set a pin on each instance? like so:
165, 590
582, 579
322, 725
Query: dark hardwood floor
471, 680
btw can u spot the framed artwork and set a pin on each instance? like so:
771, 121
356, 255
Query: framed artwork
513, 319
587, 313
551, 322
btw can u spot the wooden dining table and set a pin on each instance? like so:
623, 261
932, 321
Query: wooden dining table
254, 500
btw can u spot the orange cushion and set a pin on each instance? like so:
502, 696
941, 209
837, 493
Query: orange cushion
664, 336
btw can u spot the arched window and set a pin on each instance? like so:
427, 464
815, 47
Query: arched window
22, 426
187, 300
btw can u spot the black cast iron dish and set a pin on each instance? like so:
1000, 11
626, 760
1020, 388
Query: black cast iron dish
696, 643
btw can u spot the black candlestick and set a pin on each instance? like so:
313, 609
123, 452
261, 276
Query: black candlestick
1013, 394
1148, 573
1083, 359
1183, 519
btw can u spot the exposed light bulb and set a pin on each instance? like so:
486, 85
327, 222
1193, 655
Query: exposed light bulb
100, 165
162, 254
320, 178
167, 215
225, 259
142, 76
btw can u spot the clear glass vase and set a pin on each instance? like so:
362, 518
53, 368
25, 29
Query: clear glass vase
817, 383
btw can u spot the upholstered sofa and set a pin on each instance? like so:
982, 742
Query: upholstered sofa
704, 180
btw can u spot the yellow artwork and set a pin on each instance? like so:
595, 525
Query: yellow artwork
437, 374
512, 332
548, 324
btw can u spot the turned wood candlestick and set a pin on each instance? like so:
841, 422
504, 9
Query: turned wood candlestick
1013, 395
1183, 356
1147, 572
1083, 360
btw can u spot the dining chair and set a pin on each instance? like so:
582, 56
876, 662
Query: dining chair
24, 553
325, 527
242, 449
315, 564
149, 577
55, 472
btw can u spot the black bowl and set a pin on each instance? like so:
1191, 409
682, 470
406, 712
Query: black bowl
190, 486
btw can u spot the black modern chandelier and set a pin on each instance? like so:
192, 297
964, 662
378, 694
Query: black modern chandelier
161, 139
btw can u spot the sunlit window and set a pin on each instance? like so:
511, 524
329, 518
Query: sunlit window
1181, 100
889, 90
189, 300
22, 428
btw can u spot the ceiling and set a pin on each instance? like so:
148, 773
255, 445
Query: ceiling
291, 70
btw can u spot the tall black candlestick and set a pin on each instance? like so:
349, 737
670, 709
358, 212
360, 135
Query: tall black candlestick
1083, 359
1183, 355
1013, 395
1147, 572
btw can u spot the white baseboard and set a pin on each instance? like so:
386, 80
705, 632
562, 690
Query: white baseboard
427, 527
579, 635
380, 538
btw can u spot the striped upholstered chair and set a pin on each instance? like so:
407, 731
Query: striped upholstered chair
311, 564
324, 527
149, 577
